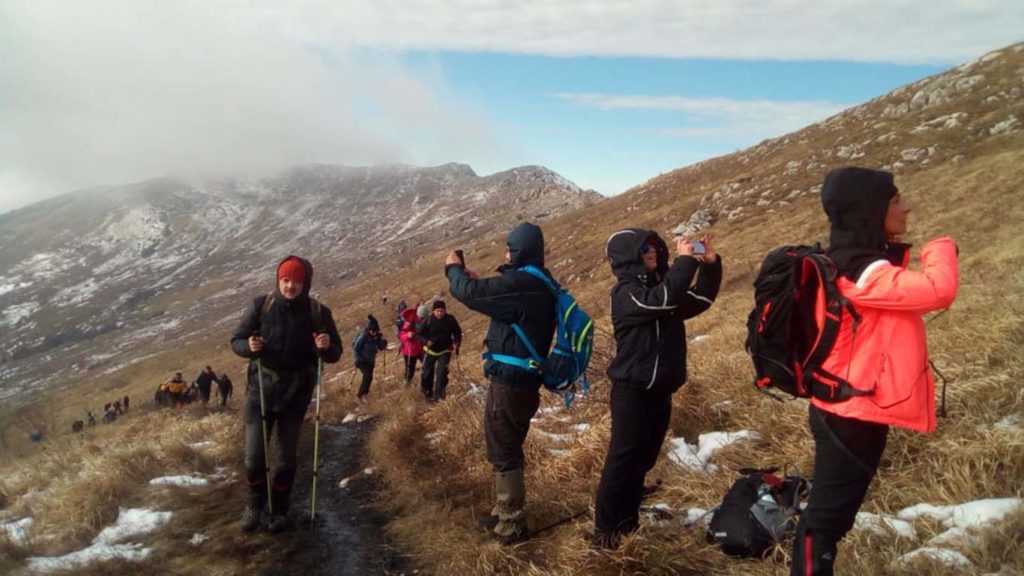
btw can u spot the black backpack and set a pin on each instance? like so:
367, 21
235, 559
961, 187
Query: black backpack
796, 317
759, 510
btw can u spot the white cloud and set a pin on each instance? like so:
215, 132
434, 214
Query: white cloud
716, 118
107, 92
902, 31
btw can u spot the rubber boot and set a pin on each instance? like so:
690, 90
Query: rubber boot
510, 507
814, 553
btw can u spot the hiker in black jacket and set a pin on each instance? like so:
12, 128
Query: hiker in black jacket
205, 382
364, 351
281, 334
225, 389
650, 301
441, 336
512, 297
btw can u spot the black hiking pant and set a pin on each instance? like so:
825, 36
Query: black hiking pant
435, 389
286, 400
639, 422
846, 457
204, 393
410, 367
367, 372
507, 414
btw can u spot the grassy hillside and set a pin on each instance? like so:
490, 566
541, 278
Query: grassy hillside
963, 178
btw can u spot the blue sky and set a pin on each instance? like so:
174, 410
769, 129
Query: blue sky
607, 92
540, 112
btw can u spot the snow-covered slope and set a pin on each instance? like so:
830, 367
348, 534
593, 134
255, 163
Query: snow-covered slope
164, 257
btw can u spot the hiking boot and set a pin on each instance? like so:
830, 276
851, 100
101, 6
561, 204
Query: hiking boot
279, 523
251, 518
509, 533
606, 540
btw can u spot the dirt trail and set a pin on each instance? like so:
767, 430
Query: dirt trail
350, 535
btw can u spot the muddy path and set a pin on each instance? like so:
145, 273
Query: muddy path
350, 535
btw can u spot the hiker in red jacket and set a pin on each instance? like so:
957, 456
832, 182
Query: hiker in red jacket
412, 348
885, 353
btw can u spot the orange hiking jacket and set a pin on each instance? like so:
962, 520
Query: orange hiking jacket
888, 352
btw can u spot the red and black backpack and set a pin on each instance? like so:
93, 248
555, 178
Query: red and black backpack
794, 324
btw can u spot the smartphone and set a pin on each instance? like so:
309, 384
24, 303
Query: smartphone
698, 248
462, 256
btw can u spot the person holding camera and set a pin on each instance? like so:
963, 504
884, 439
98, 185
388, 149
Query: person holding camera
880, 350
650, 301
281, 334
511, 297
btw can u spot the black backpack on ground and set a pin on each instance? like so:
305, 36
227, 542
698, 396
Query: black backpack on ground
794, 324
759, 510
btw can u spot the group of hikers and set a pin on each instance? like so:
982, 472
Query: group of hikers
880, 351
175, 392
111, 411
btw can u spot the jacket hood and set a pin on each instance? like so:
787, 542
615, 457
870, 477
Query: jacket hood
856, 201
309, 276
526, 245
623, 251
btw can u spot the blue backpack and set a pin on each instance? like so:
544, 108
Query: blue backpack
574, 342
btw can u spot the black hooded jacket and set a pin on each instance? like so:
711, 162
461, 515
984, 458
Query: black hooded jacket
648, 314
856, 201
512, 297
287, 330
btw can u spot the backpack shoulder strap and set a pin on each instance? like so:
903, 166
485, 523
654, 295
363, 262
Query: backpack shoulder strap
539, 274
268, 303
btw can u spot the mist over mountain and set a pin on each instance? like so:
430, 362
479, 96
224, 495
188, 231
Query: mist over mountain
165, 258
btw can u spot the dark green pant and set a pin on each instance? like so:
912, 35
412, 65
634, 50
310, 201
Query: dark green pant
286, 403
507, 414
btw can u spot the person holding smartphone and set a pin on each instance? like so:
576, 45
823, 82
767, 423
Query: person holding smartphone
650, 301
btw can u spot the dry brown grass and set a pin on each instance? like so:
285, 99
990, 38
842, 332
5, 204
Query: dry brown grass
432, 457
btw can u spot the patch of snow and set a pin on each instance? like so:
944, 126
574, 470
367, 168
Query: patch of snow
198, 539
369, 471
1007, 125
945, 556
198, 445
558, 452
555, 437
179, 481
130, 522
696, 457
699, 338
953, 538
17, 530
344, 482
695, 515
18, 312
76, 294
349, 418
884, 525
966, 515
582, 427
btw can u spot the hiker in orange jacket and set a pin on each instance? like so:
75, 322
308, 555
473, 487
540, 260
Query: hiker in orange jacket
884, 353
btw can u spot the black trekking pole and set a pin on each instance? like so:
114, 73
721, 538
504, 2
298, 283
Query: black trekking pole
266, 439
316, 440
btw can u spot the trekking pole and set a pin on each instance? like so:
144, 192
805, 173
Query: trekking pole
266, 439
316, 440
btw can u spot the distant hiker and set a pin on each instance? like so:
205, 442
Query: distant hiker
364, 352
125, 402
91, 419
204, 383
117, 407
225, 389
109, 415
36, 435
883, 352
77, 426
512, 297
441, 336
402, 306
176, 389
281, 334
412, 348
649, 303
